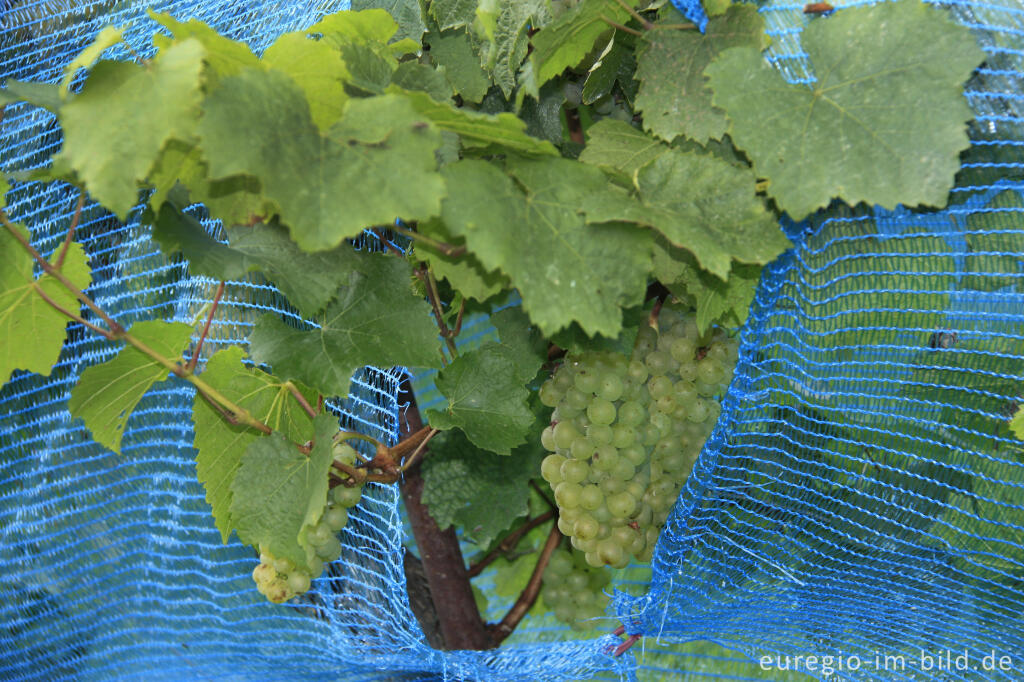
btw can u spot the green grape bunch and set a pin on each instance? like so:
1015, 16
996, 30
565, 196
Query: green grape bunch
278, 578
626, 431
574, 590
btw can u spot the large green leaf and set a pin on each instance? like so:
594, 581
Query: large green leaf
45, 95
31, 331
884, 123
316, 67
407, 14
309, 280
480, 492
620, 149
485, 398
278, 492
477, 129
376, 320
588, 272
723, 302
701, 203
453, 51
106, 394
380, 151
465, 273
114, 129
107, 37
522, 340
223, 56
673, 95
453, 13
220, 444
569, 38
505, 24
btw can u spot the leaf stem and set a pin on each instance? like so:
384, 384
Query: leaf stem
510, 542
190, 367
528, 596
115, 329
533, 484
636, 15
67, 313
301, 399
427, 277
449, 250
71, 230
619, 27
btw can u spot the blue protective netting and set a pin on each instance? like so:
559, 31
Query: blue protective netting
859, 496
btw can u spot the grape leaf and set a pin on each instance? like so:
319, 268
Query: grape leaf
477, 129
453, 13
620, 149
590, 271
106, 394
317, 68
569, 38
220, 444
232, 200
406, 13
701, 203
365, 26
575, 341
107, 37
257, 123
616, 64
524, 342
114, 129
673, 94
883, 124
223, 56
370, 66
723, 302
995, 245
278, 491
465, 273
31, 331
309, 280
486, 399
45, 95
1017, 423
479, 491
376, 320
461, 65
505, 24
413, 76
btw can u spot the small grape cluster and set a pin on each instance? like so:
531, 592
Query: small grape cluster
278, 578
625, 433
573, 590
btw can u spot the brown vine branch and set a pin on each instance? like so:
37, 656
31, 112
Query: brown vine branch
509, 543
421, 448
427, 277
619, 27
190, 367
528, 596
625, 646
543, 495
71, 230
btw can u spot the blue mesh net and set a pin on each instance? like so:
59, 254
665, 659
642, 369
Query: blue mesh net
860, 496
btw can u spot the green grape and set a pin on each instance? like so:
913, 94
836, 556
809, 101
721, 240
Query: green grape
547, 438
335, 517
319, 534
330, 550
551, 468
622, 504
564, 434
682, 350
344, 453
567, 494
623, 435
591, 498
600, 434
606, 458
574, 470
659, 387
283, 565
563, 379
601, 411
586, 382
576, 399
585, 528
298, 582
610, 387
582, 448
635, 454
345, 496
549, 395
698, 411
610, 486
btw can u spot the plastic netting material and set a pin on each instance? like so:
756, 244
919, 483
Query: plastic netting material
839, 508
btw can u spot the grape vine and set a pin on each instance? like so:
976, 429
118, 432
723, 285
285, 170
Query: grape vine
599, 177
